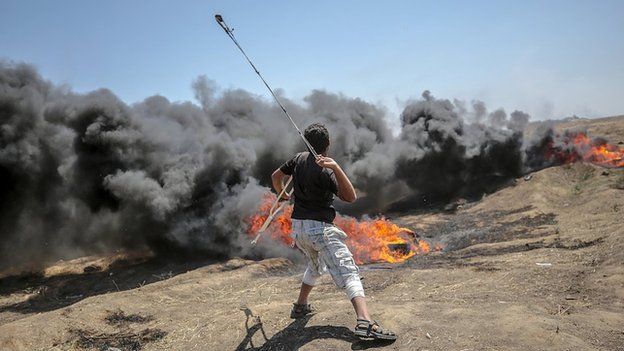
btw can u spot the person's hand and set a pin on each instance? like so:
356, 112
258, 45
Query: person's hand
326, 162
285, 197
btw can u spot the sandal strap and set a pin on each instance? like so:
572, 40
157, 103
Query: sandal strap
369, 325
379, 329
365, 323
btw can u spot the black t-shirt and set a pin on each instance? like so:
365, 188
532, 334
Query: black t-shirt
314, 188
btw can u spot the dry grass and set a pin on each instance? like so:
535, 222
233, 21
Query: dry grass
537, 266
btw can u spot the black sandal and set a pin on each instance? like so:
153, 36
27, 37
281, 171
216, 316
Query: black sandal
367, 329
300, 310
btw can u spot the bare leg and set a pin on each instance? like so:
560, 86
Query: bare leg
304, 293
361, 310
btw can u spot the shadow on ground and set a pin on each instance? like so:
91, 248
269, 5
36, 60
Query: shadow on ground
296, 335
50, 293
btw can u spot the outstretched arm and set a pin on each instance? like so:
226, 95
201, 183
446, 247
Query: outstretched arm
346, 192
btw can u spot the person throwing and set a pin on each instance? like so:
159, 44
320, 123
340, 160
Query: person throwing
315, 182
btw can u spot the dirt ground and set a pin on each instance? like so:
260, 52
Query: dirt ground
538, 265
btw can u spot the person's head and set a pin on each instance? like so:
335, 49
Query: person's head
318, 136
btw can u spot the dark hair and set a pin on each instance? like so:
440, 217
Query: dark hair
318, 137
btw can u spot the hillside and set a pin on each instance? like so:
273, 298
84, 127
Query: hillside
538, 265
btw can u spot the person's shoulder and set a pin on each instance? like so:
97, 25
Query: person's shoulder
296, 157
302, 156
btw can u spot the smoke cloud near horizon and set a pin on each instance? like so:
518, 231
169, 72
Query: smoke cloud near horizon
88, 173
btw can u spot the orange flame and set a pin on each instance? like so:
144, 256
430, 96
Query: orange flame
370, 240
578, 147
600, 153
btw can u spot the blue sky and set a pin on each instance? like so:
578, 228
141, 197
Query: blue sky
548, 58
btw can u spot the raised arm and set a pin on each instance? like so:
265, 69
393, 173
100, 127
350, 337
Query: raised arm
346, 192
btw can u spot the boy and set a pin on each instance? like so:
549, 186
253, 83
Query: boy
315, 182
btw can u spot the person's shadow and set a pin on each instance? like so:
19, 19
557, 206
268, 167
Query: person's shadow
296, 334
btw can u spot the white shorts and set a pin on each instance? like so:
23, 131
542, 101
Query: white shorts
324, 246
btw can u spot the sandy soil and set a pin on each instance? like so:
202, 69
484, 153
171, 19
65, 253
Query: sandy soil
538, 265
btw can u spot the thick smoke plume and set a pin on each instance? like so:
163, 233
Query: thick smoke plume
87, 173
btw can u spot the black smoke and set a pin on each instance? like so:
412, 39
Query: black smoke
462, 160
444, 151
88, 173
